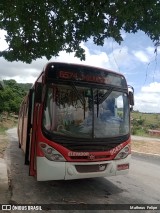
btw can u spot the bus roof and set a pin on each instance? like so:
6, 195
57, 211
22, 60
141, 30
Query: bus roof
80, 65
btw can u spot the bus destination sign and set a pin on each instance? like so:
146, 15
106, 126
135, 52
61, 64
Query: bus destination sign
81, 77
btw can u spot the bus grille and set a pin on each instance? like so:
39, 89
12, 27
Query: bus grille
90, 168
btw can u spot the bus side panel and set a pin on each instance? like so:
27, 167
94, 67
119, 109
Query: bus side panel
19, 129
24, 134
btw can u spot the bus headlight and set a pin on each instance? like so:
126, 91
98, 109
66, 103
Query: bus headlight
123, 153
50, 153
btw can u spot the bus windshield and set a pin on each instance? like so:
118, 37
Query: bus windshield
85, 112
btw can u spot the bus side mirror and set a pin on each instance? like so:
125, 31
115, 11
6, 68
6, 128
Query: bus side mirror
131, 98
38, 92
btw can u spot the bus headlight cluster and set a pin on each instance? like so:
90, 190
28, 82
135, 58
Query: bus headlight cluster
123, 153
50, 153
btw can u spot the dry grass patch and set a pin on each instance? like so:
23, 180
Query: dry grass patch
5, 124
146, 147
3, 145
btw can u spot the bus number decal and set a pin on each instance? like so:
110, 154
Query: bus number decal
116, 149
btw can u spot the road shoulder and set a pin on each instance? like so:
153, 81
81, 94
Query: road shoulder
4, 187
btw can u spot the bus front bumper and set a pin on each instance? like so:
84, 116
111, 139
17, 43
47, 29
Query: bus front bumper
50, 170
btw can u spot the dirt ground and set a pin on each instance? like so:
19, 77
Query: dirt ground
146, 146
8, 122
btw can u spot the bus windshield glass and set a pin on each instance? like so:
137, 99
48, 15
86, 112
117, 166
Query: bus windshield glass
85, 112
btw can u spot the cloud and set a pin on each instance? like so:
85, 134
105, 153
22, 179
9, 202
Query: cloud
120, 57
19, 71
97, 58
150, 50
147, 55
152, 88
3, 43
141, 56
148, 99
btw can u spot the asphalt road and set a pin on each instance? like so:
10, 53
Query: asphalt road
139, 187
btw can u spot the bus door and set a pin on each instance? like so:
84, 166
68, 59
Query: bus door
21, 126
30, 149
35, 107
29, 124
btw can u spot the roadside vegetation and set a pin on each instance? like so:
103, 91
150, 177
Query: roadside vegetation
142, 123
146, 125
11, 96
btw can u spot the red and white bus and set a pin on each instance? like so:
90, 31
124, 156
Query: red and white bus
75, 123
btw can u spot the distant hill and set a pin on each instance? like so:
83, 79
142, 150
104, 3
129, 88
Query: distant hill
25, 87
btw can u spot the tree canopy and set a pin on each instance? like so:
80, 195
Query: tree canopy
45, 27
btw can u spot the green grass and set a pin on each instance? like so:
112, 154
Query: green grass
142, 122
149, 118
3, 129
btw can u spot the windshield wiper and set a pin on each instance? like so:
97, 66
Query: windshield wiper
101, 99
105, 96
81, 98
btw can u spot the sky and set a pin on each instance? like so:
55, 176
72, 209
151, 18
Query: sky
134, 58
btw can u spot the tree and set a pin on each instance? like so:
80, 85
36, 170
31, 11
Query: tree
12, 95
1, 85
45, 27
